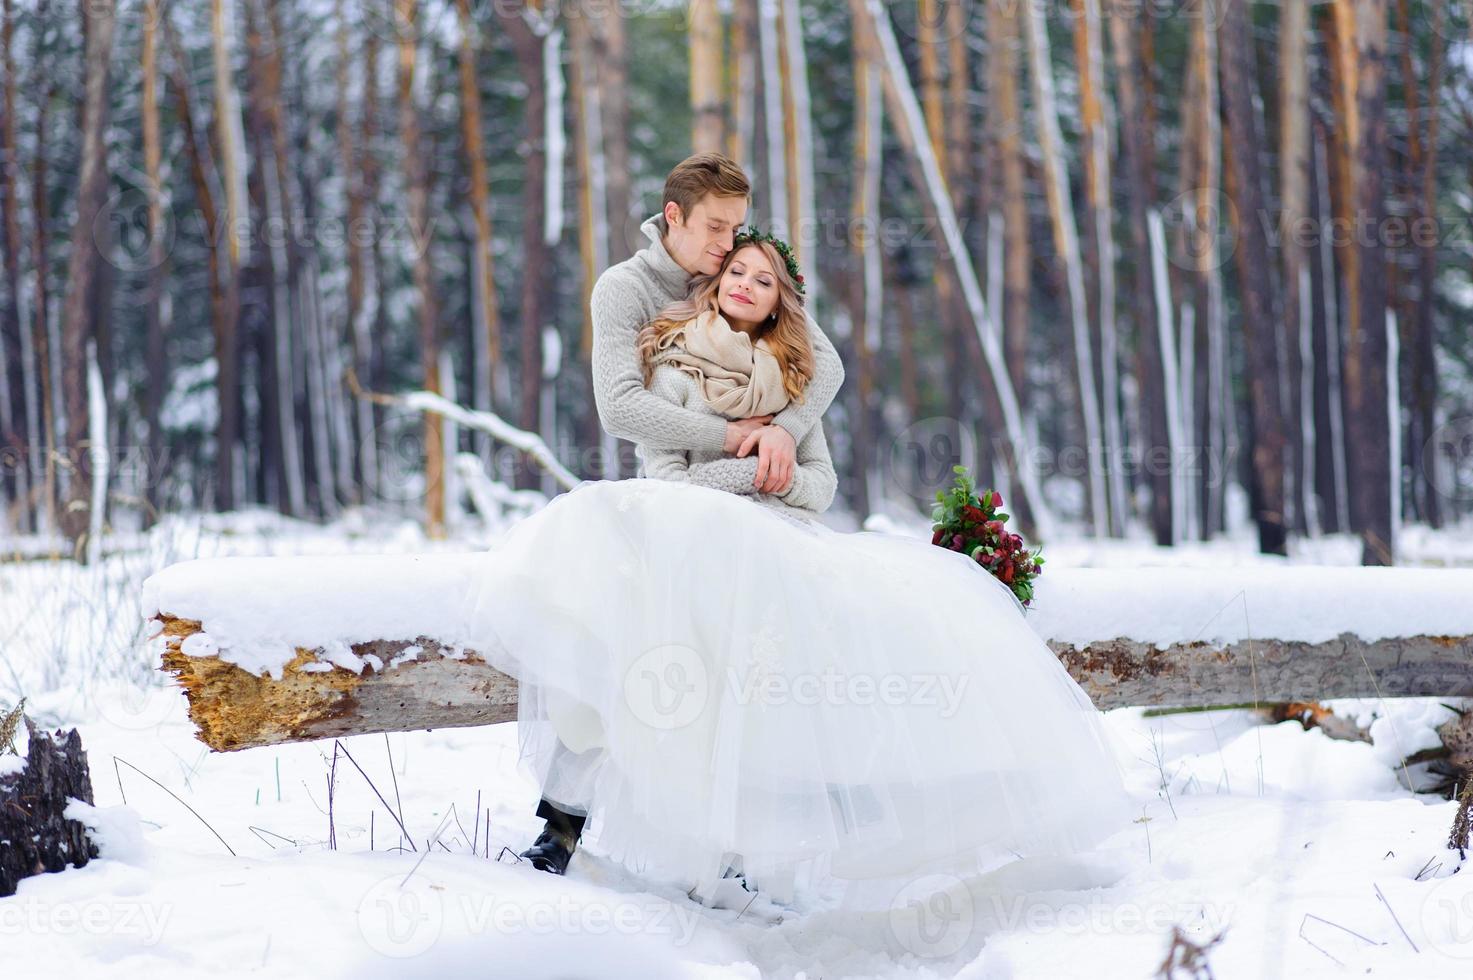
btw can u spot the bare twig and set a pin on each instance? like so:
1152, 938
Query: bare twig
258, 831
1311, 915
429, 846
397, 817
186, 806
475, 838
389, 749
1394, 918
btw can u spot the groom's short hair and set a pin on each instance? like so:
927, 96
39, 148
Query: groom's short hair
705, 173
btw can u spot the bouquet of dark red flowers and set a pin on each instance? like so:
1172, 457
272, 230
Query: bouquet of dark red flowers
976, 527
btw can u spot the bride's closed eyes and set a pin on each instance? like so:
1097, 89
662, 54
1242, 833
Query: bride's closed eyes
738, 270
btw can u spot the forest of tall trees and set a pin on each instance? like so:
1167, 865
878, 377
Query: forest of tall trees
1149, 269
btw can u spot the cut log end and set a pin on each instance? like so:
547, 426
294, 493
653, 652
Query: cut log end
235, 709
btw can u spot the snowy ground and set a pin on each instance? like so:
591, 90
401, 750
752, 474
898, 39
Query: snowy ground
1310, 854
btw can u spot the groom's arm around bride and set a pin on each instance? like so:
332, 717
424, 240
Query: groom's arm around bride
705, 201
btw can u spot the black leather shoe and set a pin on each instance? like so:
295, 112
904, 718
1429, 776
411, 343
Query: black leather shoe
550, 852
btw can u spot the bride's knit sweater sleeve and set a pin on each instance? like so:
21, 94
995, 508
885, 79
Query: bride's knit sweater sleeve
814, 481
801, 418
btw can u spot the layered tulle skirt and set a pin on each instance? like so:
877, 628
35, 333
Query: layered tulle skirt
709, 677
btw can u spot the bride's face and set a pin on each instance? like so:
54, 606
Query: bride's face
748, 290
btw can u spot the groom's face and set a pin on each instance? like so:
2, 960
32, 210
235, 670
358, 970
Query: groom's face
699, 241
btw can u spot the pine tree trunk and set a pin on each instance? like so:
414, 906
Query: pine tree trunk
16, 412
1421, 347
798, 131
50, 406
487, 320
865, 282
1331, 468
1135, 147
1294, 199
593, 229
774, 139
1006, 120
613, 73
231, 156
1366, 348
528, 46
1099, 251
941, 126
1066, 241
300, 312
708, 112
1254, 281
899, 289
1189, 286
1215, 392
158, 307
270, 319
86, 257
258, 319
373, 313
742, 84
417, 192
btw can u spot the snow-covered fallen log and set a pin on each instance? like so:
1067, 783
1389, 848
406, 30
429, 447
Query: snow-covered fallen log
272, 650
290, 649
1193, 636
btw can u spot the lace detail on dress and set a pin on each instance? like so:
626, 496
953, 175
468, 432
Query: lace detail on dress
635, 493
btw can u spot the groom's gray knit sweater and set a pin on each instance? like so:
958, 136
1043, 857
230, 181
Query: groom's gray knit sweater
625, 298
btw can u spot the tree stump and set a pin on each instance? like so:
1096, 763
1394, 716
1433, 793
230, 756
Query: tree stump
34, 836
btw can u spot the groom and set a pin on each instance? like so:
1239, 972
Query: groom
705, 202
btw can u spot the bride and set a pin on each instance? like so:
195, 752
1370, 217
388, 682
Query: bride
724, 683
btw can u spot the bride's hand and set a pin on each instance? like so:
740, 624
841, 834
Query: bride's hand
777, 452
739, 432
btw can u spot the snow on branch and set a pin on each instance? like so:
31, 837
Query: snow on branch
482, 421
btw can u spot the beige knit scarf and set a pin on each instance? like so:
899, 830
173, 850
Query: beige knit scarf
737, 377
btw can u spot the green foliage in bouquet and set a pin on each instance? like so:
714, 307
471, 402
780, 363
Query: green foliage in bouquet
977, 528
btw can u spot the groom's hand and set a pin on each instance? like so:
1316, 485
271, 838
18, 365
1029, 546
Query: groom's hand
777, 452
738, 432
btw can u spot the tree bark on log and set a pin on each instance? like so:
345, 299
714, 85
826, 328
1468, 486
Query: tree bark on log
1123, 672
235, 709
34, 836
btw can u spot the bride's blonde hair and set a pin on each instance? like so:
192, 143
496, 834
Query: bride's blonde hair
786, 331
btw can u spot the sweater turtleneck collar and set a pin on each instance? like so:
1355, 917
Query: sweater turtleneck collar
658, 256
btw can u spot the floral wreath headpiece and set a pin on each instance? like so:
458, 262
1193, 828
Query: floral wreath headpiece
750, 235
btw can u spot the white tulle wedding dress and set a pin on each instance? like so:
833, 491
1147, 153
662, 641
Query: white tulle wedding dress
709, 678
